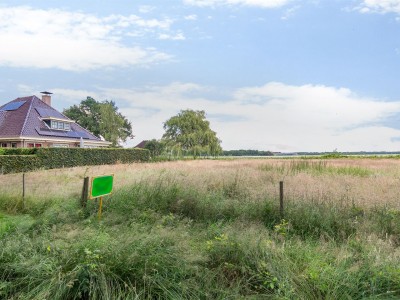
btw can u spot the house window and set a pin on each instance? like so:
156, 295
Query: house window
60, 145
13, 145
59, 125
34, 145
4, 145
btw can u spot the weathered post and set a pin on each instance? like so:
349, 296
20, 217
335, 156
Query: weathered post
281, 198
23, 190
85, 192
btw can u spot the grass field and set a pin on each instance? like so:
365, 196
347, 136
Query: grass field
205, 229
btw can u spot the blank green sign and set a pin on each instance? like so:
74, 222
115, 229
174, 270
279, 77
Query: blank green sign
102, 186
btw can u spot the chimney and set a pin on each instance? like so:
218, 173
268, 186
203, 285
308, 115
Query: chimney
46, 97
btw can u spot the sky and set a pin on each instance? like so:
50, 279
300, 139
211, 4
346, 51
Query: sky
278, 75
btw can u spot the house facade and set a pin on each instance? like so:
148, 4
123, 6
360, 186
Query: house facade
28, 122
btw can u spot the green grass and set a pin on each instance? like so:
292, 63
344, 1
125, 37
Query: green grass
164, 239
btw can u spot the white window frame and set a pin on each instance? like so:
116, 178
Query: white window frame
60, 145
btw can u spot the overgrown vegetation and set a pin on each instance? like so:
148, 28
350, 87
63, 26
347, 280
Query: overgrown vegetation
183, 231
316, 167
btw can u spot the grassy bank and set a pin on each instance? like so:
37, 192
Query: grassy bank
206, 230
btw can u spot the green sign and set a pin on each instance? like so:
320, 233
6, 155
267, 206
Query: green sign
101, 186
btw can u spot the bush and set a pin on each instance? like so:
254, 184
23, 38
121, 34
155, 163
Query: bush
19, 151
53, 158
18, 163
70, 157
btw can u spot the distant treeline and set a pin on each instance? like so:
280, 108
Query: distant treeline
242, 152
345, 153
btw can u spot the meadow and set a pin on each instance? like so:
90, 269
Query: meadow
205, 229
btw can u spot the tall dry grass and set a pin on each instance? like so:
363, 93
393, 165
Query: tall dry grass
206, 229
360, 182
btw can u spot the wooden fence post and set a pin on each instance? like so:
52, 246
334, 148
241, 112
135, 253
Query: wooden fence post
23, 190
85, 192
23, 187
281, 199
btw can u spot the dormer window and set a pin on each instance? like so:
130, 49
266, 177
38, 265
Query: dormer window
58, 124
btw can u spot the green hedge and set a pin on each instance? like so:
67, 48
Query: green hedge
18, 163
53, 158
71, 157
18, 151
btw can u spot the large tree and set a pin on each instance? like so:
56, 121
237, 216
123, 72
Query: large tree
102, 119
189, 132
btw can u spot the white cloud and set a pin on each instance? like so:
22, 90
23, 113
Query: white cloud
74, 41
177, 37
379, 6
144, 9
274, 116
255, 3
191, 17
290, 12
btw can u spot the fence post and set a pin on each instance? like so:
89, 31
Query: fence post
281, 198
85, 192
23, 187
23, 190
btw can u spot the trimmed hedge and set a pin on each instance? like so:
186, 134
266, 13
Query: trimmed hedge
70, 157
18, 151
53, 158
18, 163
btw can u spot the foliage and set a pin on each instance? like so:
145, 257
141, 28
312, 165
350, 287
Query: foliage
102, 119
189, 133
333, 155
18, 163
70, 157
18, 151
53, 158
242, 152
155, 147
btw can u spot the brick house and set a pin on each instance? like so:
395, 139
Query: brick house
32, 122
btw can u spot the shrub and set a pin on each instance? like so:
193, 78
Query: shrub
18, 163
19, 151
70, 157
52, 158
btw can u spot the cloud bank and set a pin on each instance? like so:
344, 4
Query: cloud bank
275, 116
75, 41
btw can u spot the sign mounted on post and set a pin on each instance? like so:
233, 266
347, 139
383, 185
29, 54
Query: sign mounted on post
101, 186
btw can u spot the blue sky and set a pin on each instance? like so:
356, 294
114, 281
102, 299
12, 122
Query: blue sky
280, 75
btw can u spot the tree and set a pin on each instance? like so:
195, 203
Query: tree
189, 132
155, 147
102, 119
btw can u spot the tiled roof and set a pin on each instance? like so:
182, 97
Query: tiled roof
142, 144
26, 121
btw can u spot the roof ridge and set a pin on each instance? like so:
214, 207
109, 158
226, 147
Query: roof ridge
27, 114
